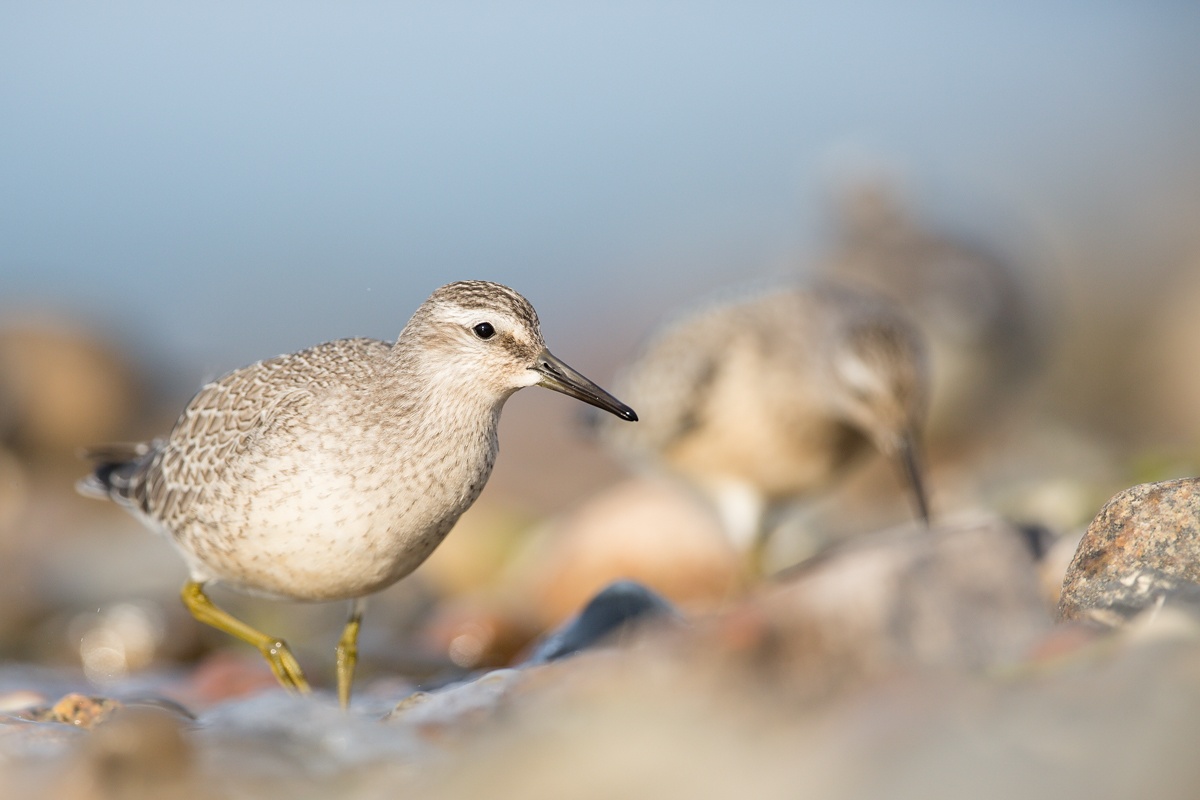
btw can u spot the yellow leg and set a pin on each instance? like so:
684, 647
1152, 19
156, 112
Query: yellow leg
347, 653
276, 651
754, 560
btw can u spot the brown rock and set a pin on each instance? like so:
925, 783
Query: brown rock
75, 709
481, 630
223, 676
1141, 549
61, 385
648, 530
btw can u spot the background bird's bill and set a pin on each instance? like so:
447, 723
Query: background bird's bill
910, 463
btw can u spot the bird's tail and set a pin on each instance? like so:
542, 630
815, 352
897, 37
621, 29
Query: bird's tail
116, 470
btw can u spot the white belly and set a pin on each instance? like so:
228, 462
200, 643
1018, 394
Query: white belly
326, 532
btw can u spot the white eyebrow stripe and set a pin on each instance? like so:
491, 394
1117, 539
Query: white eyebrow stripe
503, 322
858, 374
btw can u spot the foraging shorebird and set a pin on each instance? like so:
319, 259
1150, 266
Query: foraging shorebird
332, 473
771, 398
984, 314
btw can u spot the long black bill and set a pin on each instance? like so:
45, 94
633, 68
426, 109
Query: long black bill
910, 463
560, 377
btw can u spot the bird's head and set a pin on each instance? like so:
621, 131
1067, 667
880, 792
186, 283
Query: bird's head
490, 335
881, 386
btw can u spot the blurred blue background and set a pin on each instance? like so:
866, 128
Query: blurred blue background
222, 181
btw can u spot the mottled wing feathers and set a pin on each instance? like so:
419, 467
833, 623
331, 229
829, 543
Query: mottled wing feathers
222, 422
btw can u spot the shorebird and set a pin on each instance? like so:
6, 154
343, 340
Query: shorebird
332, 473
983, 314
772, 397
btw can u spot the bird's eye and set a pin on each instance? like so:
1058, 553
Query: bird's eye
484, 330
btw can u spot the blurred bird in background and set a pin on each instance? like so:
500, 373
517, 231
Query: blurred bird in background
770, 398
975, 307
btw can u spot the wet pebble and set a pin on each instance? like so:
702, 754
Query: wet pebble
79, 710
1142, 549
274, 735
39, 733
455, 709
618, 607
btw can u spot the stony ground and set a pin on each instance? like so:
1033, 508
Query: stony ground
910, 663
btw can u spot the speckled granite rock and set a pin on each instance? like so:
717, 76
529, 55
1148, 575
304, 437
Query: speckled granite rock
1142, 548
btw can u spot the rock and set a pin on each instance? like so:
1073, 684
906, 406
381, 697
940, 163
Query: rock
451, 710
653, 531
61, 385
481, 631
649, 530
20, 699
962, 595
1165, 394
620, 606
74, 709
642, 723
274, 740
140, 753
222, 676
1143, 548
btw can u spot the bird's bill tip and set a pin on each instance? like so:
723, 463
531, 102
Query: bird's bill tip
626, 413
557, 375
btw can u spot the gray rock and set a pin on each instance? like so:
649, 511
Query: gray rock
962, 595
1143, 548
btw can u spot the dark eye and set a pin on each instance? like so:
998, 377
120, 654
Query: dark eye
484, 330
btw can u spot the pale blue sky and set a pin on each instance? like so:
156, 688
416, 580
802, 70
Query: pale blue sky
230, 179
